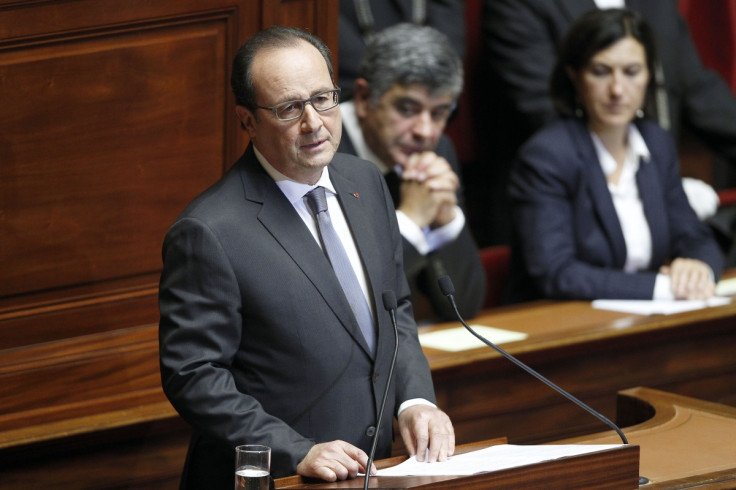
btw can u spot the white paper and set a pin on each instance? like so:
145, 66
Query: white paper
459, 339
492, 458
726, 287
657, 307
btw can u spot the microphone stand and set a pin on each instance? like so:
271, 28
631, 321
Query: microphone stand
389, 303
448, 290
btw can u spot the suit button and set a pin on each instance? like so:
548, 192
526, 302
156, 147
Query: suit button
370, 431
375, 377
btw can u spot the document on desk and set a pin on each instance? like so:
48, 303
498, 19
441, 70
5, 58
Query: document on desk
656, 307
458, 339
492, 458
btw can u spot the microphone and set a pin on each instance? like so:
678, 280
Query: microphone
448, 290
389, 303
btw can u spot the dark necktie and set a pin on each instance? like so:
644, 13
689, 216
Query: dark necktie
341, 264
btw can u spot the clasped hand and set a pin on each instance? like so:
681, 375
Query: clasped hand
428, 190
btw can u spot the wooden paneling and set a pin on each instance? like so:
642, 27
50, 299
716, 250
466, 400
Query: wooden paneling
112, 120
113, 116
124, 130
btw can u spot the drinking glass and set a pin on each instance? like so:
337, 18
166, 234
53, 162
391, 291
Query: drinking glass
252, 467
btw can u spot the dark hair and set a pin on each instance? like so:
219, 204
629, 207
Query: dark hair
407, 54
591, 33
241, 78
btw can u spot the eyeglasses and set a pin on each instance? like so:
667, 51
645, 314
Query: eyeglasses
293, 109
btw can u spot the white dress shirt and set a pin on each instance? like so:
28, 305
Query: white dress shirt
629, 208
425, 239
610, 4
294, 192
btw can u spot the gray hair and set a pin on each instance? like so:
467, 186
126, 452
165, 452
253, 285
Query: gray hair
407, 54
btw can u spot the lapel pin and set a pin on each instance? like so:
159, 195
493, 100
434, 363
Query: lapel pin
356, 195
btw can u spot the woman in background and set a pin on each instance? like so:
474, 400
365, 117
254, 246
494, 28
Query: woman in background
598, 205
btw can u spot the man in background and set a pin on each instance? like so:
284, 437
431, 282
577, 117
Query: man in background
407, 86
361, 19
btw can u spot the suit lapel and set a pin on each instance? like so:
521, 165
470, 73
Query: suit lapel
653, 201
599, 193
279, 218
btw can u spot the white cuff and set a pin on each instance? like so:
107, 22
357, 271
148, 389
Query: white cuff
663, 288
445, 234
412, 402
412, 233
427, 240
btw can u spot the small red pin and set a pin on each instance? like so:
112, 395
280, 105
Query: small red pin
356, 195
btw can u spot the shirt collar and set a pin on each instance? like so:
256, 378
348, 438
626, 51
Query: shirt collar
638, 150
352, 126
293, 190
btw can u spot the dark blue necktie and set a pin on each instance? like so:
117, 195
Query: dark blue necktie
341, 264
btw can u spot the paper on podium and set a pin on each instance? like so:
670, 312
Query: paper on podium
459, 339
656, 307
492, 458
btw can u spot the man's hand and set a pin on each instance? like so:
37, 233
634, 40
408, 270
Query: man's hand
423, 427
428, 190
331, 461
690, 279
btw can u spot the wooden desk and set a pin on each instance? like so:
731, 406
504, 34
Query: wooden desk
591, 353
613, 469
684, 442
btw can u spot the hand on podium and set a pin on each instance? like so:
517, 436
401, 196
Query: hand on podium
332, 461
425, 427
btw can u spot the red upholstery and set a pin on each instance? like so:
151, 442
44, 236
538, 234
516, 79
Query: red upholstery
713, 28
496, 262
727, 197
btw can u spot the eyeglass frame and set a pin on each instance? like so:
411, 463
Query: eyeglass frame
336, 96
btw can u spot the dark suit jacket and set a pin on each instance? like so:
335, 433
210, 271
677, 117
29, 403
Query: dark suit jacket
447, 16
521, 39
258, 342
460, 259
569, 242
522, 36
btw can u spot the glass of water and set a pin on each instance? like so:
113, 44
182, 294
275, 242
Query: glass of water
252, 467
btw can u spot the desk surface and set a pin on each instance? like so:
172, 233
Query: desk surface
552, 325
685, 443
682, 442
592, 353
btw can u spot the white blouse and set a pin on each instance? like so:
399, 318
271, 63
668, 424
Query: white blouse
629, 208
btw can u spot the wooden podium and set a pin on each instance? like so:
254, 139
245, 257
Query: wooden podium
613, 468
683, 443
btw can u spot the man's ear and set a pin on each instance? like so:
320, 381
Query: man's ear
361, 97
247, 119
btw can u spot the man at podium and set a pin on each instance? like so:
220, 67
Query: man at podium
271, 328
